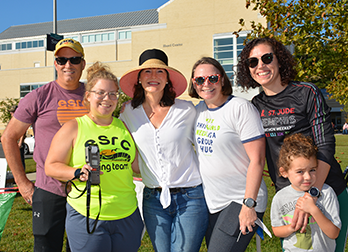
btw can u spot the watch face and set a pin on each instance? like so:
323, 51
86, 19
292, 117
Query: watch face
249, 202
314, 192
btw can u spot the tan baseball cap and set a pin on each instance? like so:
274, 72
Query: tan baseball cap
70, 43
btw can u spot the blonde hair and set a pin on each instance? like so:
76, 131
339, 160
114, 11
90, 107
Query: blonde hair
94, 73
296, 145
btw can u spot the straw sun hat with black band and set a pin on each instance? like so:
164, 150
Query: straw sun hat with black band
152, 58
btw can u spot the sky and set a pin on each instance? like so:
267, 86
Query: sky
22, 12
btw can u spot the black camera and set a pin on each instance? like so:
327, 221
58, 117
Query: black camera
93, 160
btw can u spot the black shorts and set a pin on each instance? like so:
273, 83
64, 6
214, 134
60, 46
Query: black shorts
49, 211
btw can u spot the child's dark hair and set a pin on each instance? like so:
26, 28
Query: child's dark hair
296, 145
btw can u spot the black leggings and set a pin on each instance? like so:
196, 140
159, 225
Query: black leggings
223, 230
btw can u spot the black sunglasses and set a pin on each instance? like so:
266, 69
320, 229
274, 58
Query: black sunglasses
212, 79
266, 58
73, 60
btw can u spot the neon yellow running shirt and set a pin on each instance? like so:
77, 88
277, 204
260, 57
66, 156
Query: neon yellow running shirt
117, 152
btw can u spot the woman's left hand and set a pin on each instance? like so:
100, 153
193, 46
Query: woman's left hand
247, 218
85, 172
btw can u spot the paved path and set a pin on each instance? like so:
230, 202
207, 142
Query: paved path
31, 176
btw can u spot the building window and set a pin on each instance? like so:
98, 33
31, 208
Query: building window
25, 89
36, 64
29, 44
226, 50
84, 39
124, 35
98, 37
73, 37
91, 38
104, 37
5, 47
111, 36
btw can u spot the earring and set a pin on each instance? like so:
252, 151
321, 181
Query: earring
139, 82
166, 83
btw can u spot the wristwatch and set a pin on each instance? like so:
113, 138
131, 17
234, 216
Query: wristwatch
314, 192
249, 202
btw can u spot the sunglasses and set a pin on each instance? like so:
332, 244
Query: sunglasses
73, 60
100, 94
212, 79
266, 58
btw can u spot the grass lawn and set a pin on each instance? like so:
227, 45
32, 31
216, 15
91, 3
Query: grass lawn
17, 235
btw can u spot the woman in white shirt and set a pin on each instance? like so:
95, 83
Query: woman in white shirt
174, 207
230, 144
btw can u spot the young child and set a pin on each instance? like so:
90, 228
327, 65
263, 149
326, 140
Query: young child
298, 163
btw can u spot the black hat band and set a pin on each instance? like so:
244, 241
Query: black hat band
153, 54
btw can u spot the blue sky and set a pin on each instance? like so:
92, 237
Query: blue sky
22, 12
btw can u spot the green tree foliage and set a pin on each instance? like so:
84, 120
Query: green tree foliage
121, 99
317, 31
5, 105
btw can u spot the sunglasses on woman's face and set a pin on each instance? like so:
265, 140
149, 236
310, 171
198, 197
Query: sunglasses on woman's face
212, 79
266, 58
73, 60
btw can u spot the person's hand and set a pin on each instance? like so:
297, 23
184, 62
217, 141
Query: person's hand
306, 203
300, 218
26, 189
85, 172
124, 105
247, 218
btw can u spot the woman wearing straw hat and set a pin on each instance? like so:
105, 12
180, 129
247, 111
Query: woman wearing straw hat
174, 208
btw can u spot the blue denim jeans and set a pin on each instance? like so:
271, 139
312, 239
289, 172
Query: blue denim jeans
179, 227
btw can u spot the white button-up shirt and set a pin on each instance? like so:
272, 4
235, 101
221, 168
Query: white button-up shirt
167, 158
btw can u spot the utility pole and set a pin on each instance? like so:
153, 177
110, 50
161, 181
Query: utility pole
55, 29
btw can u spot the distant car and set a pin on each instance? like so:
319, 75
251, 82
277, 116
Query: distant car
29, 143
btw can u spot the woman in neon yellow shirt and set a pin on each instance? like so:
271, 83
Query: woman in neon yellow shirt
114, 212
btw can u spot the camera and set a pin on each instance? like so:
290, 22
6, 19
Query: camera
93, 160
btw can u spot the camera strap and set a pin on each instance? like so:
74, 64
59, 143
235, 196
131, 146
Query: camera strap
88, 202
88, 199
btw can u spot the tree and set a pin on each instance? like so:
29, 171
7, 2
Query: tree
5, 105
121, 99
317, 31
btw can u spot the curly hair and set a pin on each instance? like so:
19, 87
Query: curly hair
296, 145
285, 59
226, 85
94, 73
167, 100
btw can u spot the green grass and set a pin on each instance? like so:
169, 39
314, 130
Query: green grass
17, 235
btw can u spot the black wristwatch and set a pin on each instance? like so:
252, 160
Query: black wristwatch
314, 192
249, 202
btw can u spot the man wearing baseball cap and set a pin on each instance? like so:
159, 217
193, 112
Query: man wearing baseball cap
47, 108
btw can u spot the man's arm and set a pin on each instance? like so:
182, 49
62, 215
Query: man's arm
13, 132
